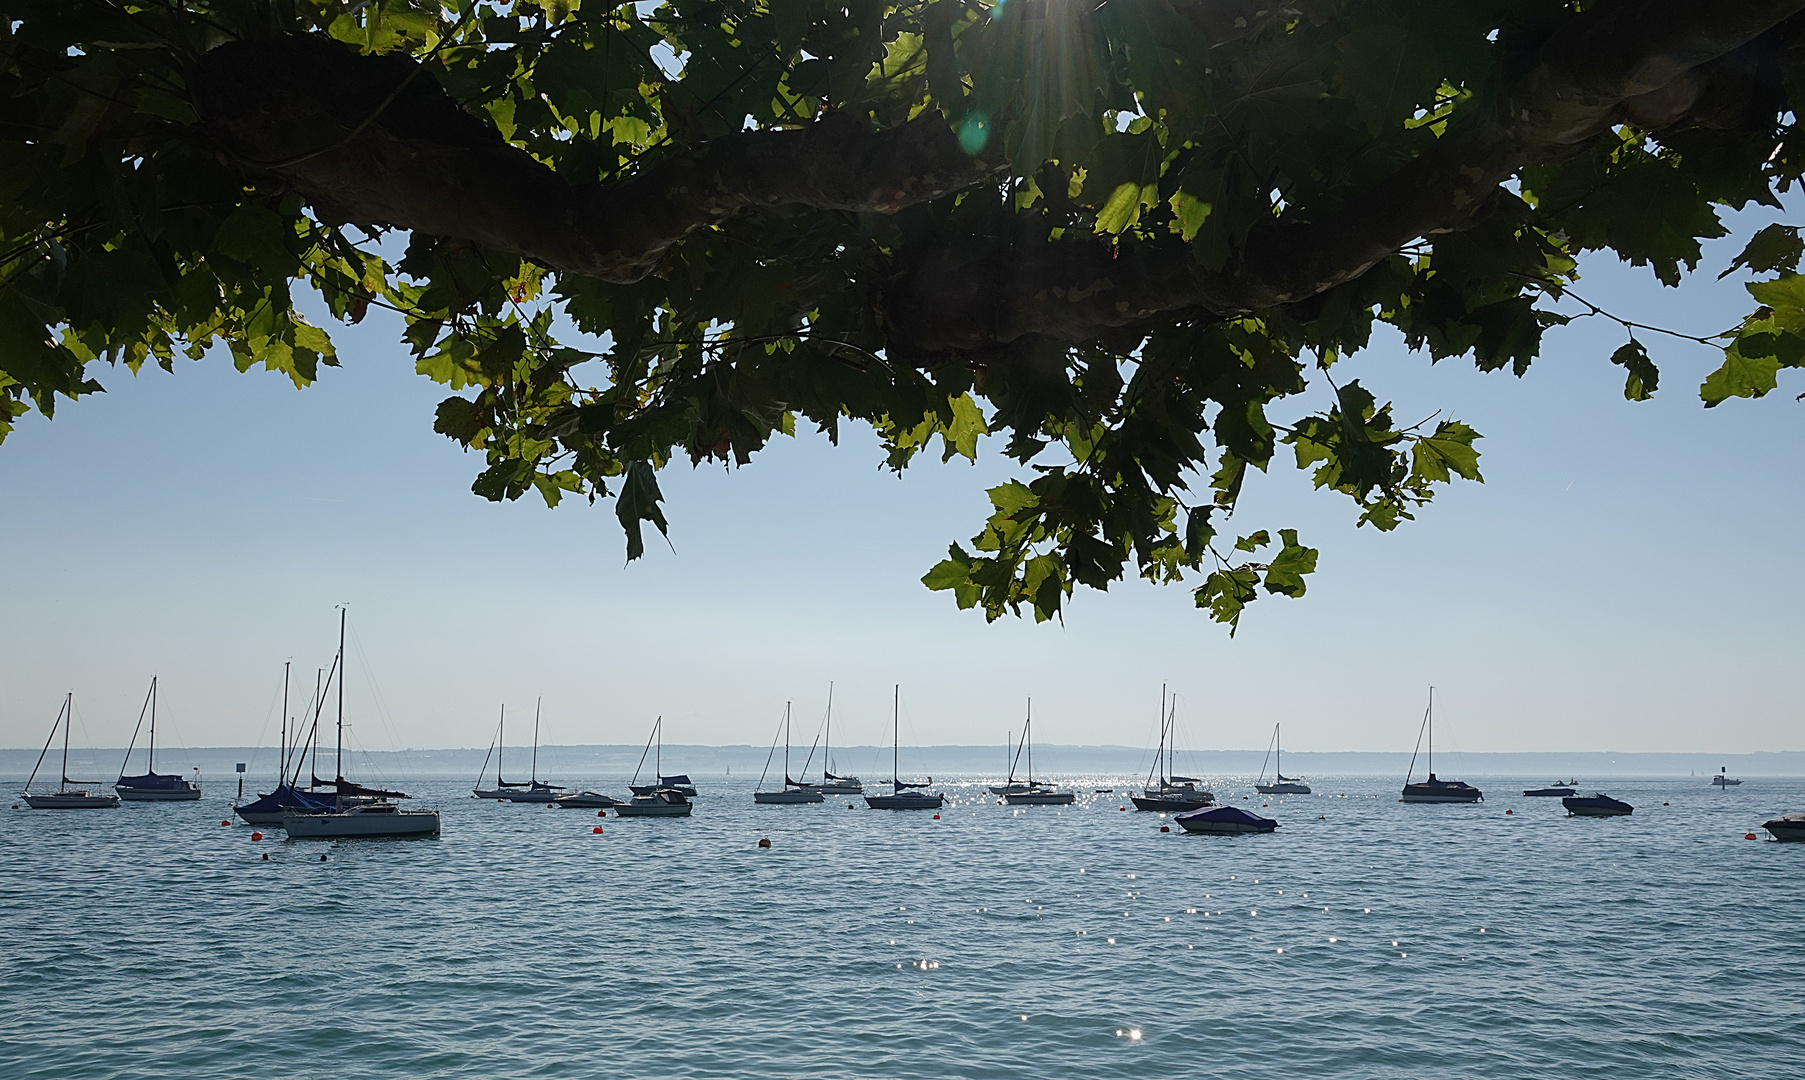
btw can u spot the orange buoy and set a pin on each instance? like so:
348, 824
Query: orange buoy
597, 830
764, 842
1165, 828
256, 836
1121, 808
1265, 804
936, 817
1748, 836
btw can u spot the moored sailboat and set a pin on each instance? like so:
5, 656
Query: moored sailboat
532, 790
832, 784
1170, 794
1282, 785
70, 794
151, 785
793, 792
677, 782
288, 796
660, 799
1434, 790
1037, 794
903, 796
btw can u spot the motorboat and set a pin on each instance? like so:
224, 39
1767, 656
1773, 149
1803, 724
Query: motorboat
832, 783
69, 795
1723, 779
151, 785
1223, 821
1435, 790
903, 796
1786, 827
1558, 790
1170, 794
1036, 793
659, 802
379, 819
680, 783
793, 792
586, 800
1281, 784
1597, 804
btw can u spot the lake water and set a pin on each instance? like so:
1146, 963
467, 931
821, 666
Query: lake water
1364, 939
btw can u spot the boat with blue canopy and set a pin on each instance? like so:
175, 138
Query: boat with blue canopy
151, 785
1597, 804
1224, 821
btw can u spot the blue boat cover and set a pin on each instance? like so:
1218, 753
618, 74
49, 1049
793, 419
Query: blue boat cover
680, 780
289, 798
1225, 814
151, 781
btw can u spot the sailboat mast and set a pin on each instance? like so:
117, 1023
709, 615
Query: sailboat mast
150, 763
1160, 758
68, 721
282, 750
534, 778
895, 732
1278, 752
786, 744
501, 737
341, 693
827, 744
1432, 731
1028, 734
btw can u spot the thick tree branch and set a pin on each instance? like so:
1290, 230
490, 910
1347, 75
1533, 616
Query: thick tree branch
370, 140
1629, 60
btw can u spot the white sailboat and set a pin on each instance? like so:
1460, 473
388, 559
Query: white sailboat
832, 784
69, 795
152, 786
1283, 785
903, 796
1433, 790
358, 812
1036, 794
793, 792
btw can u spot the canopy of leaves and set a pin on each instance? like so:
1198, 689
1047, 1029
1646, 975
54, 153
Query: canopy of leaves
1125, 242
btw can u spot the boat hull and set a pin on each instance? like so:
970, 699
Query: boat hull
1282, 789
842, 787
72, 801
1597, 807
587, 800
355, 826
1224, 821
1550, 793
1786, 827
1442, 798
1039, 798
543, 795
1165, 805
654, 809
647, 789
130, 794
791, 797
905, 801
1441, 791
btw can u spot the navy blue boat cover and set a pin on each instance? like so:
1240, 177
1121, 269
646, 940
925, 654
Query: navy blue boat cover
289, 798
153, 781
680, 780
1223, 813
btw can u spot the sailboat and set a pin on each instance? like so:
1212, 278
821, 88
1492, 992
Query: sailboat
1011, 785
902, 796
657, 800
678, 782
69, 795
533, 790
357, 811
1172, 794
832, 784
1284, 785
1037, 794
152, 786
792, 792
268, 809
1433, 790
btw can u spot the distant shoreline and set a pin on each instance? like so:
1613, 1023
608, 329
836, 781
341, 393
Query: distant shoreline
870, 761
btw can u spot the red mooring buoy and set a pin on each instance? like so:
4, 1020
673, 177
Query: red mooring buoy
764, 843
936, 817
225, 823
601, 813
256, 836
1165, 828
1748, 836
597, 830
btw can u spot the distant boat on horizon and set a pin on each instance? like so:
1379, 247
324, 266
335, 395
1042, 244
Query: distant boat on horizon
151, 785
69, 795
1433, 790
1723, 779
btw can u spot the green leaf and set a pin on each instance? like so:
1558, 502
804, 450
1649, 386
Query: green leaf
1449, 451
638, 501
1643, 375
1226, 593
1739, 376
1786, 296
1776, 247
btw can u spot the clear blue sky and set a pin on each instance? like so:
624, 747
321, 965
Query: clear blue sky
1626, 578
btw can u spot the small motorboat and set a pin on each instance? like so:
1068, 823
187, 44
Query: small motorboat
661, 802
379, 819
586, 800
1224, 821
1723, 779
1597, 804
1557, 791
1786, 827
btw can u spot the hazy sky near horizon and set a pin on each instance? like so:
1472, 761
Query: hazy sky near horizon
1626, 578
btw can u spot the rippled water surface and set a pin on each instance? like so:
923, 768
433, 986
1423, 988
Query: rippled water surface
1364, 938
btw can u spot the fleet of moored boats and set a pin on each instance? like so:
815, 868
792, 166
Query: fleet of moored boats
344, 809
